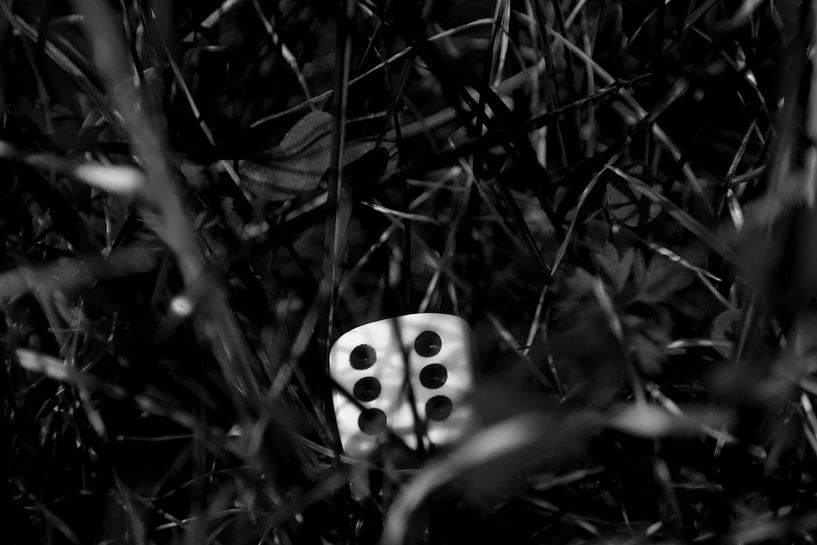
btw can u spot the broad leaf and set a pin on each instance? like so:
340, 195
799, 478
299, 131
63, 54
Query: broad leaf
299, 162
626, 204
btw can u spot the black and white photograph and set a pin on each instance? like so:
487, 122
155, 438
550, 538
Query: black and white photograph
408, 272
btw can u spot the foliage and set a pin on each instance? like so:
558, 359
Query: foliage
198, 196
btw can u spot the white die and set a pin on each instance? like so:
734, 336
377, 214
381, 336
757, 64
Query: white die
369, 362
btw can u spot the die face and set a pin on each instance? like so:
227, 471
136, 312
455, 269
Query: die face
373, 362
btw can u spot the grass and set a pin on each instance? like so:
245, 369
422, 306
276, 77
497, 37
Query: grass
198, 198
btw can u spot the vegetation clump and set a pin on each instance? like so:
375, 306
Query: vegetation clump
198, 197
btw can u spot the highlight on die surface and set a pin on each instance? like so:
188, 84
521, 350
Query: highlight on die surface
371, 362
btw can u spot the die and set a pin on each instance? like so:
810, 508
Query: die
370, 362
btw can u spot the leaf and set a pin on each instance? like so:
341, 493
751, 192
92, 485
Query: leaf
723, 329
649, 354
663, 278
608, 259
616, 267
626, 204
625, 267
298, 163
310, 132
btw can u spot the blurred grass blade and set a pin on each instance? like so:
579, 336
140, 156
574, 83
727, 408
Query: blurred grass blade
506, 438
70, 274
118, 179
219, 327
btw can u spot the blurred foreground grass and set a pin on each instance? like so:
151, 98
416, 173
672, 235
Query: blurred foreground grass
198, 197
